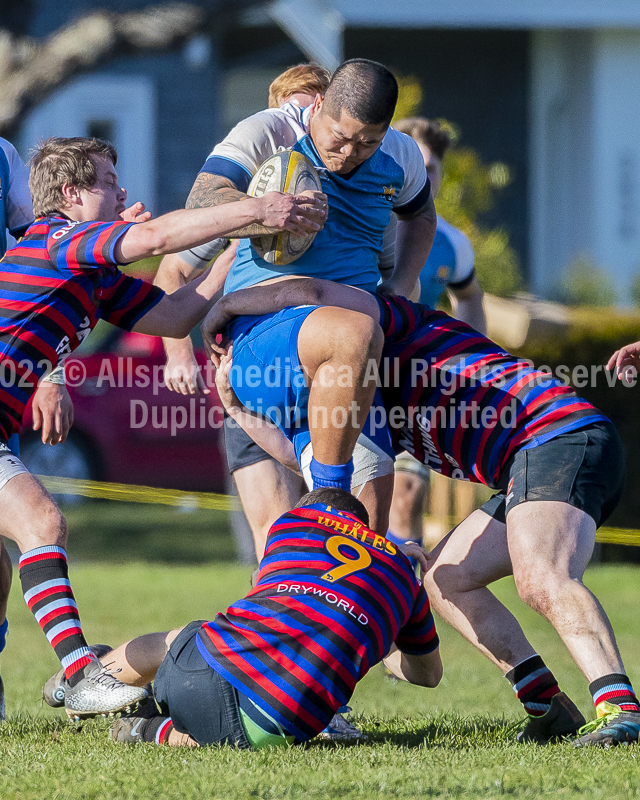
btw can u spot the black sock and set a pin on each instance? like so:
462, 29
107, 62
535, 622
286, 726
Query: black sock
616, 689
156, 729
534, 685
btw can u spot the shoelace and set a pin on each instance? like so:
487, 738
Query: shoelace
105, 677
599, 722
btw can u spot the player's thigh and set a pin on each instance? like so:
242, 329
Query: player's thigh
558, 492
267, 489
329, 331
474, 554
199, 701
549, 542
375, 495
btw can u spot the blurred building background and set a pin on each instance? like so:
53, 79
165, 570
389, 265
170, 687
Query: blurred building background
551, 88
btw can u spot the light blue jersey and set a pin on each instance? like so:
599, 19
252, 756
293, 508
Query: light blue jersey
450, 263
347, 249
16, 212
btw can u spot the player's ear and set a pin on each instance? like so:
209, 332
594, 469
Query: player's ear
71, 194
317, 105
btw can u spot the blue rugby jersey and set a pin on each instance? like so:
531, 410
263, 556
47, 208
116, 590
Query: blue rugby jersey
347, 249
450, 263
55, 285
465, 405
331, 598
16, 212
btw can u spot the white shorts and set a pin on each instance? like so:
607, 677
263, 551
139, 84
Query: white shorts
405, 462
369, 462
10, 465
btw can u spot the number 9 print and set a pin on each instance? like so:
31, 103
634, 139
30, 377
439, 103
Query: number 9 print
349, 565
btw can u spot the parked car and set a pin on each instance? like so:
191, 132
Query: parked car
127, 432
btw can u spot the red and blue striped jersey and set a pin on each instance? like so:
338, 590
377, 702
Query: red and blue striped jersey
55, 285
331, 599
459, 403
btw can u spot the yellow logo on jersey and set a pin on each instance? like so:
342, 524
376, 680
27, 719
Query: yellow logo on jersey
389, 192
443, 273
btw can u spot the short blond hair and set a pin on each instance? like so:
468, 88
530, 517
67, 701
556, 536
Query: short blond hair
303, 78
57, 161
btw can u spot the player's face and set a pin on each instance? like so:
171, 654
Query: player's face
105, 200
434, 168
345, 143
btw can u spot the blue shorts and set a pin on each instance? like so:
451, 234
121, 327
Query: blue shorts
268, 378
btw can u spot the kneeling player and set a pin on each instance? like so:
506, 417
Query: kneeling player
332, 599
54, 286
470, 410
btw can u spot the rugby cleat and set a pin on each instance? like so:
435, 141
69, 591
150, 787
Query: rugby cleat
614, 727
339, 730
563, 719
99, 692
55, 688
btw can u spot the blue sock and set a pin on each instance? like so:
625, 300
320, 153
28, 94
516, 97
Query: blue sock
3, 634
337, 476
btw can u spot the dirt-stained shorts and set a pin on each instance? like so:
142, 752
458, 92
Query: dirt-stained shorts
10, 464
584, 468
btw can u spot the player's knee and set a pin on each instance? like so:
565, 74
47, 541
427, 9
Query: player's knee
362, 334
535, 591
49, 525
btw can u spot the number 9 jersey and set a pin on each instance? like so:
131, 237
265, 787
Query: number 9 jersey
332, 597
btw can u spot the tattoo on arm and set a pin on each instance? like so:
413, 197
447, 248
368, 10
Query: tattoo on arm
214, 190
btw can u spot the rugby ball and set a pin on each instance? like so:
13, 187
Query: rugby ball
289, 172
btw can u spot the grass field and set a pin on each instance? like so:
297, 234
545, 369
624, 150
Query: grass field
454, 741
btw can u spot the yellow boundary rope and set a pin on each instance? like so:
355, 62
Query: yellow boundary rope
139, 494
221, 502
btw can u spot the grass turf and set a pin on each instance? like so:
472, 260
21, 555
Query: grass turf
454, 741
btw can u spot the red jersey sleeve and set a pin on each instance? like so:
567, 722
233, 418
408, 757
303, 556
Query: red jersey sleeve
419, 636
123, 300
79, 246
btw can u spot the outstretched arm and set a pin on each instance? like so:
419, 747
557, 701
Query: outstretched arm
215, 190
180, 230
267, 298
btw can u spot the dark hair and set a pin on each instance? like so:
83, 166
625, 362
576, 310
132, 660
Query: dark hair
339, 499
57, 161
366, 90
427, 132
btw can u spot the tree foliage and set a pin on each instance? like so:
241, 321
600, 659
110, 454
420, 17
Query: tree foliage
31, 69
468, 190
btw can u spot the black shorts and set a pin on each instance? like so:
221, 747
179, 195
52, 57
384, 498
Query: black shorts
199, 701
584, 468
242, 451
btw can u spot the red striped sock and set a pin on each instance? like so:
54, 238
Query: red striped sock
534, 684
47, 592
156, 729
616, 689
